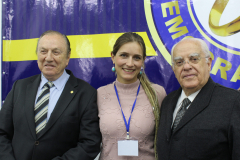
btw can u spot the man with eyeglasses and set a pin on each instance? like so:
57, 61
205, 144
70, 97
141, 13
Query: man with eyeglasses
200, 120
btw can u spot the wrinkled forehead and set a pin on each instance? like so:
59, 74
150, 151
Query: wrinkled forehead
187, 48
189, 56
52, 41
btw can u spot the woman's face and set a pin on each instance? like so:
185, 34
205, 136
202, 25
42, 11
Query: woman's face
128, 62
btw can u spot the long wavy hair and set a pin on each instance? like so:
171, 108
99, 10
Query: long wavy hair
146, 84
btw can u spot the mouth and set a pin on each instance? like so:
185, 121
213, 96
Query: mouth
189, 76
49, 66
129, 70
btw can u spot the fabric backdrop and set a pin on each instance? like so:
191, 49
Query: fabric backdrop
93, 26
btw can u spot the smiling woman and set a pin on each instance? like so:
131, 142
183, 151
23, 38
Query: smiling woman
131, 99
128, 62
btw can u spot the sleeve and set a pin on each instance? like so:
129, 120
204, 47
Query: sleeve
6, 127
234, 130
90, 137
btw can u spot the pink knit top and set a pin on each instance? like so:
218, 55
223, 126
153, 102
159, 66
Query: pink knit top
112, 125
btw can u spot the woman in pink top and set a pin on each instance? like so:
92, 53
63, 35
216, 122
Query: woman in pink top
133, 98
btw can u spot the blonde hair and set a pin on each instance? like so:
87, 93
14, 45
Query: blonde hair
152, 97
146, 84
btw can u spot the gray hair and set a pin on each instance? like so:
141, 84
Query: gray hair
58, 33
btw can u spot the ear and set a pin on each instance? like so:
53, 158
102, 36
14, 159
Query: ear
112, 57
173, 68
68, 57
209, 63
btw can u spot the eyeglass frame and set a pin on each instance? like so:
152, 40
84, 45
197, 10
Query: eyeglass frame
189, 62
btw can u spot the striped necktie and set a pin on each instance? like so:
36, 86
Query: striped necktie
181, 113
41, 107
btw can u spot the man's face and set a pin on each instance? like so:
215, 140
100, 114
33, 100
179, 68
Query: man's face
191, 77
52, 56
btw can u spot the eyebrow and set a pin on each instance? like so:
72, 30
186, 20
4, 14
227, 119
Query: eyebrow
52, 49
133, 55
194, 54
177, 58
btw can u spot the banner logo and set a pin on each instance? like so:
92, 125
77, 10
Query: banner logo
217, 22
216, 12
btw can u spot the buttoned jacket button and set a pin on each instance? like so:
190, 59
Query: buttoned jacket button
36, 143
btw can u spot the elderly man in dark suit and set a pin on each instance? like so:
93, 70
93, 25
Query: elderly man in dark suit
200, 120
51, 116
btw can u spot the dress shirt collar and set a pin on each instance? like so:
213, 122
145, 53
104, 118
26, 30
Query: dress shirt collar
59, 83
190, 97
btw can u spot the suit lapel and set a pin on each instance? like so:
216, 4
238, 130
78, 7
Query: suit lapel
199, 103
31, 92
170, 111
66, 97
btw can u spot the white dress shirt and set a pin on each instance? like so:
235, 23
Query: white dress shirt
180, 99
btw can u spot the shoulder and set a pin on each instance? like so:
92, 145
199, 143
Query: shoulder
173, 95
82, 85
26, 81
105, 88
103, 94
85, 84
30, 78
160, 91
225, 91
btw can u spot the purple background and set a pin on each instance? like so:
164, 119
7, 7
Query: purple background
25, 19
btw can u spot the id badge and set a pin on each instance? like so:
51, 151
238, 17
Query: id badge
128, 148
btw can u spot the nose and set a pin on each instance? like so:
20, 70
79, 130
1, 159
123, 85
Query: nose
187, 65
49, 56
129, 62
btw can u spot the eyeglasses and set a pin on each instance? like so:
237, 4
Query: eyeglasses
192, 60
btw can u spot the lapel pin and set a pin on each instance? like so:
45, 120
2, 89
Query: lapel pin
71, 92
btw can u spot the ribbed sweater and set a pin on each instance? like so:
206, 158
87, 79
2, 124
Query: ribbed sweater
112, 126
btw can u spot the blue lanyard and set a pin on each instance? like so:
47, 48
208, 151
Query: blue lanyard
127, 124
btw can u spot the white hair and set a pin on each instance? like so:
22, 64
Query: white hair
201, 42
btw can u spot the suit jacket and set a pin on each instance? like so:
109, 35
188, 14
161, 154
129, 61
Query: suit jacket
209, 130
72, 131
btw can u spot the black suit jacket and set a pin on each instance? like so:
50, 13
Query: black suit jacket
209, 130
72, 132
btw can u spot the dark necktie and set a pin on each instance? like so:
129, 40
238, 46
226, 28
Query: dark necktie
181, 113
41, 107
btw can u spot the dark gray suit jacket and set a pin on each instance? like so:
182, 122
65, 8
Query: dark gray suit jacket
72, 132
209, 130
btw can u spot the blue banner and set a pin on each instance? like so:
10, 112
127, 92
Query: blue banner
93, 26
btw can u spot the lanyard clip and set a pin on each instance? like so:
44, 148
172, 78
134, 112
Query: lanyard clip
127, 135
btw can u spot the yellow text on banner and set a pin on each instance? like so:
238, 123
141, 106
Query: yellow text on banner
83, 46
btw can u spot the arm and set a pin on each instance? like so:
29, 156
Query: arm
6, 127
89, 136
234, 130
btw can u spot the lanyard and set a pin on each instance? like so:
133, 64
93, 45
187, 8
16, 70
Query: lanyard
127, 124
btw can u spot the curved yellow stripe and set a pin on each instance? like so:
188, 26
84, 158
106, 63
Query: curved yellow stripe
154, 33
83, 46
205, 36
